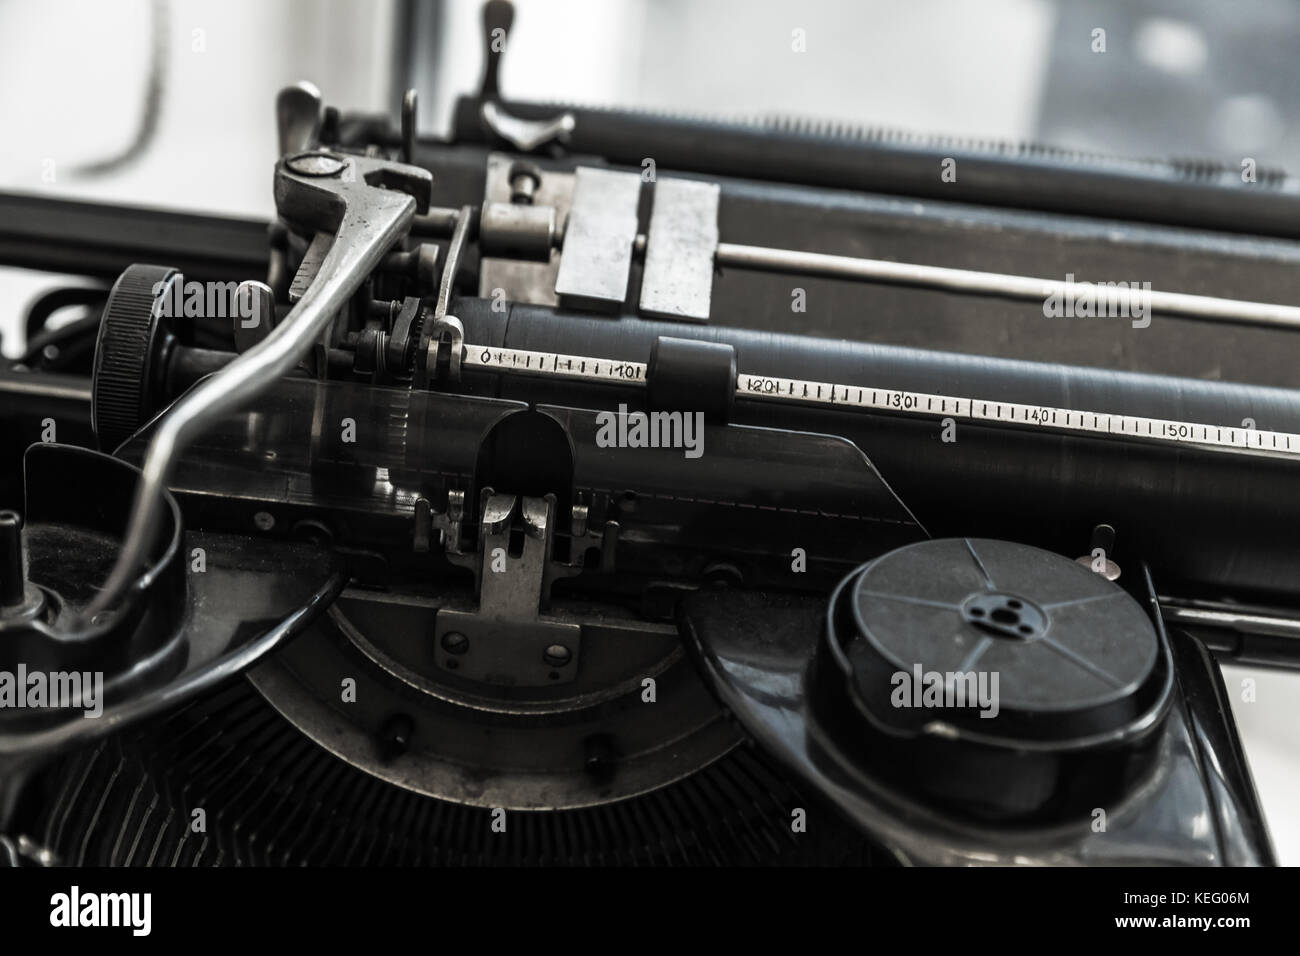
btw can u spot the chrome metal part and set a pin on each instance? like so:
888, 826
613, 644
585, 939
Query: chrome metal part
677, 281
298, 117
519, 280
367, 205
507, 641
1123, 299
255, 315
410, 106
308, 269
527, 135
444, 329
517, 229
598, 238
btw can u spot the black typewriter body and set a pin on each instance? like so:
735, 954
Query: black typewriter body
595, 488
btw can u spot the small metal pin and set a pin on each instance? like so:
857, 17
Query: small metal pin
255, 307
1101, 544
410, 103
13, 577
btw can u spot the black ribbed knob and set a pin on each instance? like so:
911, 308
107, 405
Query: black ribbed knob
131, 334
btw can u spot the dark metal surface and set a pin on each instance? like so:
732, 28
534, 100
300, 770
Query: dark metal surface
1012, 176
207, 607
1049, 490
229, 751
762, 677
97, 239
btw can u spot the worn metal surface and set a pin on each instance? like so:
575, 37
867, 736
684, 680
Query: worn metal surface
315, 192
677, 278
598, 240
518, 280
506, 641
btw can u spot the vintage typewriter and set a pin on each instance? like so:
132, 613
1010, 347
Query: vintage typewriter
596, 487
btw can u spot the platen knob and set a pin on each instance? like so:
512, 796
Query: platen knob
132, 334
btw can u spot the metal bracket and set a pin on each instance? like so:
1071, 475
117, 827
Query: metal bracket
507, 640
599, 239
677, 279
367, 205
444, 331
522, 280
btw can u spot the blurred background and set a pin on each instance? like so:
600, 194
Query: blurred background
170, 103
186, 87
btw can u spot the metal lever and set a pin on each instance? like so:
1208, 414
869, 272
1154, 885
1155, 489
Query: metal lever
524, 135
298, 117
367, 204
498, 18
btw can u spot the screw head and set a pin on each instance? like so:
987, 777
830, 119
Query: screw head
316, 164
454, 642
557, 655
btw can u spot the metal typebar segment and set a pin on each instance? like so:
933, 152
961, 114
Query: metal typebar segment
1129, 301
892, 401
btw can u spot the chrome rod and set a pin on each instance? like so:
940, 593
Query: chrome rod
1124, 299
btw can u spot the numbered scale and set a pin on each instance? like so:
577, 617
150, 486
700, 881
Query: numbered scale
768, 388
